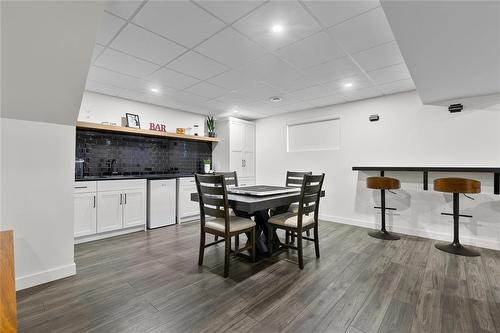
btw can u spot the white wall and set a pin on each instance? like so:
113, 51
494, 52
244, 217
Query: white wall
408, 134
97, 108
38, 175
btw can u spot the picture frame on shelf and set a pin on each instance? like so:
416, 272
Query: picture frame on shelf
133, 120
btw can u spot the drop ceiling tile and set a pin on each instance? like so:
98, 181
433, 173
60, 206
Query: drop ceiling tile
358, 82
122, 8
125, 64
364, 31
334, 12
97, 51
271, 70
207, 90
390, 74
260, 90
139, 96
234, 100
146, 45
229, 11
110, 25
230, 48
358, 94
312, 93
297, 24
169, 78
197, 65
379, 56
327, 100
105, 76
232, 80
397, 86
334, 70
311, 51
102, 88
302, 82
181, 21
297, 107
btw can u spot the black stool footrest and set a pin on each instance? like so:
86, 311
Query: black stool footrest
457, 248
387, 208
383, 234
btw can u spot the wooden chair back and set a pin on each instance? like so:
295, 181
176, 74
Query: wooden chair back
230, 176
212, 194
309, 197
294, 178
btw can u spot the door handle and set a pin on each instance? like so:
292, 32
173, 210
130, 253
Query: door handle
121, 200
125, 198
94, 201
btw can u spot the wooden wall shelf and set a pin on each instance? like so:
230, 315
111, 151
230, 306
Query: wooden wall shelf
140, 131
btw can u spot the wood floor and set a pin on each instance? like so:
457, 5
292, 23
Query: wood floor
150, 282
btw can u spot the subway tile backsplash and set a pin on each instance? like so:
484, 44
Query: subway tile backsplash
138, 155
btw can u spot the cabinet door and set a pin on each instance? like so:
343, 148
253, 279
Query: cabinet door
110, 212
85, 214
249, 138
187, 210
248, 164
236, 162
134, 208
236, 136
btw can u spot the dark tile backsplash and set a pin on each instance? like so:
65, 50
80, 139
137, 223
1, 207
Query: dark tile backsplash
137, 155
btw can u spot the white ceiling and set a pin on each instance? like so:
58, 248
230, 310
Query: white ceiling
213, 57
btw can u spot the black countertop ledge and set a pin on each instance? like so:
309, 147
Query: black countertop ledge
124, 177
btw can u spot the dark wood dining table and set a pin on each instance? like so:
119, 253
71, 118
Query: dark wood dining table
259, 206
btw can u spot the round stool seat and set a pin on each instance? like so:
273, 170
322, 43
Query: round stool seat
457, 185
383, 183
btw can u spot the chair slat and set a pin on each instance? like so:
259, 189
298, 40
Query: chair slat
297, 174
210, 179
311, 189
309, 198
213, 201
214, 212
219, 190
315, 178
294, 181
231, 177
308, 209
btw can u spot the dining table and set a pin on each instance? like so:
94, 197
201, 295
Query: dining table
258, 207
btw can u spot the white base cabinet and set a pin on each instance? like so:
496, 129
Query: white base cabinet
107, 208
187, 210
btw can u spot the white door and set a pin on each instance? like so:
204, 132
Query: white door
236, 136
248, 164
187, 210
236, 162
134, 208
85, 214
110, 212
249, 138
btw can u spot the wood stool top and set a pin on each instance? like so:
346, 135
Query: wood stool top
383, 183
457, 185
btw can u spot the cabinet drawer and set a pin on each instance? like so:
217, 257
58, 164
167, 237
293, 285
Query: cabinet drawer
187, 181
84, 187
119, 185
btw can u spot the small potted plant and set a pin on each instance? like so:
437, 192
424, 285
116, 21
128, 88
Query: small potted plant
211, 126
207, 165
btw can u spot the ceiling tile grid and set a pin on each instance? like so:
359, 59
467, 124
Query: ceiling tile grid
218, 56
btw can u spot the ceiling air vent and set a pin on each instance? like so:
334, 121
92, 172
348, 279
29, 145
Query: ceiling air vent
455, 108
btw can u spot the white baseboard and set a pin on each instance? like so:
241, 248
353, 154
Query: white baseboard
90, 238
35, 279
474, 241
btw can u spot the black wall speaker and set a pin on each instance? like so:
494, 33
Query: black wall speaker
455, 108
374, 117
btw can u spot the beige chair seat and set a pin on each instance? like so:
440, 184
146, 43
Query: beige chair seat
236, 224
290, 220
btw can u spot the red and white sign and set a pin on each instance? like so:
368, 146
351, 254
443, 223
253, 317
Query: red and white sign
157, 127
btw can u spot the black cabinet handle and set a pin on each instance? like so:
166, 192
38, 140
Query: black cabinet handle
125, 198
121, 200
94, 201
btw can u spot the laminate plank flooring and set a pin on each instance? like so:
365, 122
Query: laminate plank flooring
150, 282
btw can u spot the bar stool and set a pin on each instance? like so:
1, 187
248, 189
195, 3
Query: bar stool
457, 186
383, 184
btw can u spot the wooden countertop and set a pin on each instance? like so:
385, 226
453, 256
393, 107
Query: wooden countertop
7, 283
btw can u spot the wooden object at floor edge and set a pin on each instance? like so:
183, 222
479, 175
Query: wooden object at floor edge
7, 283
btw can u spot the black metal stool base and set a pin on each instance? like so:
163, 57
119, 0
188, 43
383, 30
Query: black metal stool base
457, 248
382, 234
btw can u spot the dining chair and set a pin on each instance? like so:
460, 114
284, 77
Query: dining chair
231, 178
294, 179
297, 223
212, 194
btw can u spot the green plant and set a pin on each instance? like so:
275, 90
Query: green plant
207, 161
211, 124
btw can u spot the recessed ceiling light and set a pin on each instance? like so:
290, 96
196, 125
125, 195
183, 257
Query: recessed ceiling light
275, 99
155, 90
347, 85
235, 111
277, 28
